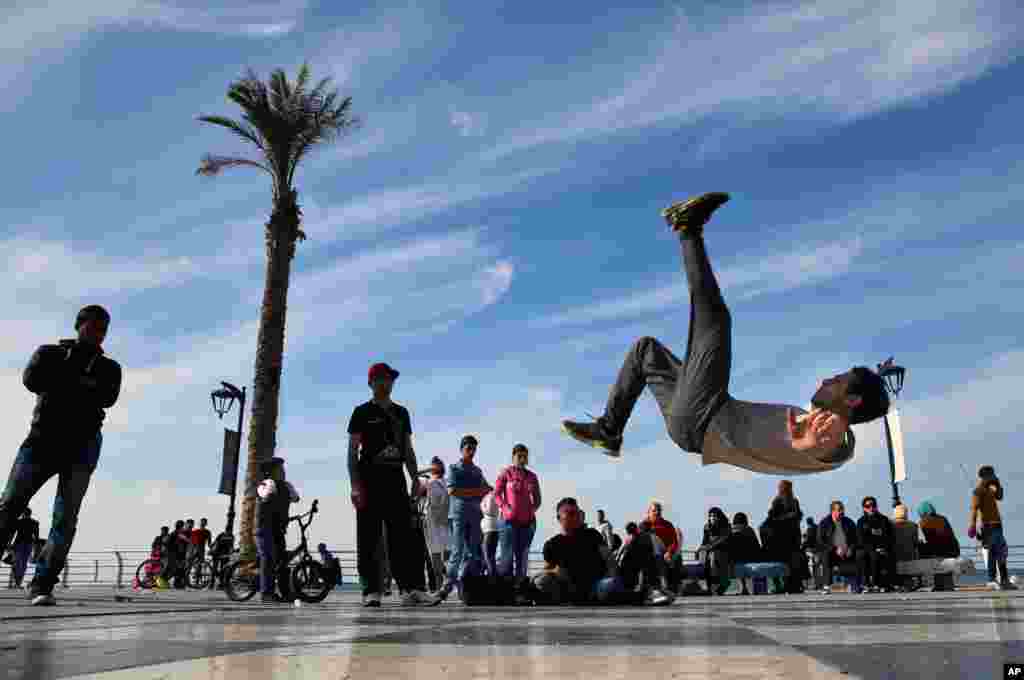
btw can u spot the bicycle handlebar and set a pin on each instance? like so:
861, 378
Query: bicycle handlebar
312, 511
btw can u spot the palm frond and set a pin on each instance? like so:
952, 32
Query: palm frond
280, 91
301, 81
212, 165
243, 130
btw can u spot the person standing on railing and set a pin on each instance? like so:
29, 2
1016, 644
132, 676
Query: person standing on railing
985, 509
25, 537
74, 382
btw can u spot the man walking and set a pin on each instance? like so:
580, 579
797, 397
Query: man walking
74, 382
985, 511
693, 394
380, 446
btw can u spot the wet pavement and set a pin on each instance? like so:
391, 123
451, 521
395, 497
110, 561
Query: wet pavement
194, 635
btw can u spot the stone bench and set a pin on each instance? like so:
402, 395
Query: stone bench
943, 570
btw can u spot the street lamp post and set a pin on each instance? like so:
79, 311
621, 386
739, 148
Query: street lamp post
893, 376
222, 401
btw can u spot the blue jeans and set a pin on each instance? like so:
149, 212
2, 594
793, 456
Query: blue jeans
465, 546
34, 465
993, 539
22, 551
270, 548
515, 548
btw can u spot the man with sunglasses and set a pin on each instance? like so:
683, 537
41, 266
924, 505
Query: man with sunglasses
876, 538
74, 382
693, 394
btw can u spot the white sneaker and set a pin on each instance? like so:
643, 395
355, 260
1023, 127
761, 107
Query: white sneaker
826, 591
656, 597
995, 585
418, 598
371, 600
44, 600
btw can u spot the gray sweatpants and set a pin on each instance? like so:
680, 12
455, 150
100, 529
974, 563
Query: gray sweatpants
688, 392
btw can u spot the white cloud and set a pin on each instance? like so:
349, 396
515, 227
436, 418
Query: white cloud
835, 60
748, 278
468, 124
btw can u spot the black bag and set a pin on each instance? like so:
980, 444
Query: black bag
496, 591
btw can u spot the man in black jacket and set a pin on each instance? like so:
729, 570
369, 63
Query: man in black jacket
876, 537
74, 383
838, 543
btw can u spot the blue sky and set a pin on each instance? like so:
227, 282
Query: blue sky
493, 231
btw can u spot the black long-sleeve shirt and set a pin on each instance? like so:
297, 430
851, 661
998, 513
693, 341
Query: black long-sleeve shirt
74, 383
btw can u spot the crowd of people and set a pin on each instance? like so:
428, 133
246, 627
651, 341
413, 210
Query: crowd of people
469, 535
184, 546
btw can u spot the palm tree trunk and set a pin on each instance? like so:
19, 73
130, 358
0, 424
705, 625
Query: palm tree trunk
281, 233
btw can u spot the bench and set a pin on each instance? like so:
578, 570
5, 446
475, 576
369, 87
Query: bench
943, 570
759, 572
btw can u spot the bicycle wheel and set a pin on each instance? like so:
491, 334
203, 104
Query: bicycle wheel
310, 582
199, 575
241, 581
147, 572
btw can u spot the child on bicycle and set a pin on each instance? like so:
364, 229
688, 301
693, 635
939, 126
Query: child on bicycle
275, 495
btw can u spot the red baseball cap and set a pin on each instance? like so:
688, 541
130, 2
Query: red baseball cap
382, 369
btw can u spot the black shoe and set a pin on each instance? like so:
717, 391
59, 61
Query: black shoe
692, 214
594, 434
271, 598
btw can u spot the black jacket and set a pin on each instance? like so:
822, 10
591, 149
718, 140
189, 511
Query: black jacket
875, 531
827, 528
716, 535
74, 382
743, 545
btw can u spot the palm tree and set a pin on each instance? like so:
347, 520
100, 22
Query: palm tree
284, 121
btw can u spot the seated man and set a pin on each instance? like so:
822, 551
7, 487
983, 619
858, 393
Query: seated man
670, 541
714, 550
837, 546
693, 393
575, 565
904, 536
875, 532
939, 538
743, 546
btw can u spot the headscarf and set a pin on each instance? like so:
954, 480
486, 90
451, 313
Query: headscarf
926, 508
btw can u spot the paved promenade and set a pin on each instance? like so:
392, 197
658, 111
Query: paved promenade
193, 635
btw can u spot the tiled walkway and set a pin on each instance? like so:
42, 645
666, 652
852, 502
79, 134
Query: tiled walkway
202, 635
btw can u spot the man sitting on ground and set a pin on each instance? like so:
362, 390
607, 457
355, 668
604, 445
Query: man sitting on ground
837, 546
575, 565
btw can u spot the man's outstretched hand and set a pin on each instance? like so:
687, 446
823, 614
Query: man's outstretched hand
819, 429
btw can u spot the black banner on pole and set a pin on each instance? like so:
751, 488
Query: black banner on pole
229, 468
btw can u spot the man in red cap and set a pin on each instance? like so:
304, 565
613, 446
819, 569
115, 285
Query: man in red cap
380, 445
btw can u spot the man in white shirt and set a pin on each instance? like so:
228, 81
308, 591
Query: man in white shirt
693, 394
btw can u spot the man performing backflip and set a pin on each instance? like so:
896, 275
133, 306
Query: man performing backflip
693, 394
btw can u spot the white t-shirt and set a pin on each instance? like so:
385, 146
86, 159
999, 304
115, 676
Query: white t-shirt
839, 537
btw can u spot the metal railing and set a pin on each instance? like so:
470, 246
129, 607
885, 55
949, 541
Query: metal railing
117, 568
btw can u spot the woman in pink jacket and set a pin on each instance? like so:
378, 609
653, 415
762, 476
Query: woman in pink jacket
517, 493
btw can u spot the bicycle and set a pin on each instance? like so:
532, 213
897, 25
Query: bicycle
306, 580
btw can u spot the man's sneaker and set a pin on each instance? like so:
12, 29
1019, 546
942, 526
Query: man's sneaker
593, 434
826, 590
658, 598
692, 214
371, 600
1008, 585
43, 600
995, 585
418, 598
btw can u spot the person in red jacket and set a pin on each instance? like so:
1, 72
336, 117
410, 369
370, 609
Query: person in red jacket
672, 538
